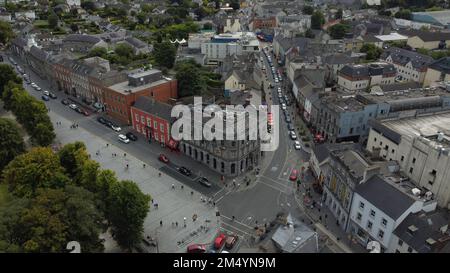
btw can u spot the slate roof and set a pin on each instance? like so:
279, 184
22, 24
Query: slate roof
322, 151
38, 53
136, 42
82, 38
372, 69
427, 36
338, 58
402, 57
153, 107
390, 200
442, 65
428, 226
20, 42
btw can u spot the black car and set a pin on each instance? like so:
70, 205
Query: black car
53, 96
101, 120
185, 171
65, 102
79, 110
131, 136
205, 182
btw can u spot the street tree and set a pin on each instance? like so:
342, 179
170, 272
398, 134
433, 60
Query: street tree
7, 74
317, 20
38, 168
128, 209
11, 142
372, 51
189, 80
338, 31
6, 32
164, 54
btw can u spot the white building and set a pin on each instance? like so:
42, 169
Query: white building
73, 3
359, 77
421, 145
227, 44
380, 204
410, 65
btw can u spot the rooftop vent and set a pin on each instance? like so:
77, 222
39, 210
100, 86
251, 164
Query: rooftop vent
430, 241
412, 229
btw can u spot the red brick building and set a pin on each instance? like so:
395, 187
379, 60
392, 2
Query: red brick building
263, 23
152, 119
119, 97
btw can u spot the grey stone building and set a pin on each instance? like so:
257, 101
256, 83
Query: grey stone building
227, 157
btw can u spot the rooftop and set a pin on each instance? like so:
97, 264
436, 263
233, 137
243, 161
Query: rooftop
410, 128
394, 36
402, 56
391, 199
418, 228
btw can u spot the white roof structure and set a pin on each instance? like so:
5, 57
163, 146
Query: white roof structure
394, 36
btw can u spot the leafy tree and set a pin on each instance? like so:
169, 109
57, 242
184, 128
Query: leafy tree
124, 50
309, 10
338, 31
43, 134
38, 168
128, 209
69, 157
47, 222
53, 20
309, 34
7, 74
98, 52
164, 54
142, 17
188, 78
6, 32
373, 52
339, 13
74, 27
317, 20
11, 142
403, 14
88, 5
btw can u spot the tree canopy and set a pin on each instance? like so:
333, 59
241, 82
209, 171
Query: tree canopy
317, 20
6, 32
11, 142
164, 54
373, 52
338, 31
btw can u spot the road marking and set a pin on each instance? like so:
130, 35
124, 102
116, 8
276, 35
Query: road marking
233, 227
271, 186
228, 218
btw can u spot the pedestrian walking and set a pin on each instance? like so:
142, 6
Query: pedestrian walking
127, 166
124, 155
182, 187
159, 174
176, 224
232, 217
107, 145
143, 165
160, 223
173, 186
184, 221
192, 192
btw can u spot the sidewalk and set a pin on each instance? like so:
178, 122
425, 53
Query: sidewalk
173, 204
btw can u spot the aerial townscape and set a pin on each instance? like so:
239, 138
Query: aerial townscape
354, 96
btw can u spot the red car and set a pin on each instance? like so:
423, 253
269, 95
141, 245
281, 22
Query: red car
163, 158
196, 248
294, 175
220, 241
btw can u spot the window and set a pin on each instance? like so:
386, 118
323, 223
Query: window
359, 216
155, 124
369, 225
142, 119
361, 205
375, 139
372, 213
384, 222
137, 117
161, 127
414, 160
380, 234
410, 170
400, 242
149, 122
402, 158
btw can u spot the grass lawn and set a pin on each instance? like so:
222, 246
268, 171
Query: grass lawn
41, 23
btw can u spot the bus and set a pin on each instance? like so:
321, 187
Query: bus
269, 122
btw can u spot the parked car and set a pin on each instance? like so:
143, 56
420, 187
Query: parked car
46, 93
65, 102
290, 127
53, 96
163, 158
196, 248
297, 145
101, 120
204, 181
294, 175
131, 136
220, 241
283, 106
46, 98
123, 138
82, 111
231, 241
115, 127
38, 88
73, 106
288, 120
185, 171
293, 135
